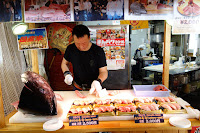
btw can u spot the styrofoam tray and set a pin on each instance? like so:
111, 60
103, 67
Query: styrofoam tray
147, 91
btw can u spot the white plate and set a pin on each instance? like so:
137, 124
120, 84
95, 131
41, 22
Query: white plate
180, 122
53, 125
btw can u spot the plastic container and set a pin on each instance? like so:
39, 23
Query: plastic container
147, 91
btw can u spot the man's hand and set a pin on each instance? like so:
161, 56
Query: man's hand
68, 79
95, 87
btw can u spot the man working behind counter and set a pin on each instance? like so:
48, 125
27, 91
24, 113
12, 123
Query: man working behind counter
88, 61
137, 69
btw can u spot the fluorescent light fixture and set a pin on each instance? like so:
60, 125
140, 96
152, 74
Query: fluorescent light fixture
19, 28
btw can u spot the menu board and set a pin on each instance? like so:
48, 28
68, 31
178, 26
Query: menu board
186, 17
33, 39
113, 43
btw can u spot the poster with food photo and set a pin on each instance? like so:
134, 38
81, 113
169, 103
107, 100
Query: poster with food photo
186, 17
113, 43
47, 11
88, 10
148, 9
10, 10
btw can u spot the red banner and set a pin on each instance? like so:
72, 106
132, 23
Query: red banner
110, 42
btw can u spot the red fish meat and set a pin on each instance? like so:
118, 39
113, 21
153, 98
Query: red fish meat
37, 97
79, 94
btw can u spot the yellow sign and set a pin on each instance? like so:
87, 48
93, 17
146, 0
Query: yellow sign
136, 24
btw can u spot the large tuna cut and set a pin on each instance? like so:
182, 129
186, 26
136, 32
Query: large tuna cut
37, 97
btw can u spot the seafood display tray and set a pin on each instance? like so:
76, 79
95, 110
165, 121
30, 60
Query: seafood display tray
70, 96
147, 91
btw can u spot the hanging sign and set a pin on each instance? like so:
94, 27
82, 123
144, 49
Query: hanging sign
186, 17
10, 10
59, 36
98, 10
83, 120
148, 9
149, 118
136, 24
33, 39
113, 43
47, 11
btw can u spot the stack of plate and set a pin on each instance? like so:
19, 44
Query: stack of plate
180, 122
53, 125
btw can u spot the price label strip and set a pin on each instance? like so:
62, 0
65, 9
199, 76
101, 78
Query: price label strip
148, 118
83, 120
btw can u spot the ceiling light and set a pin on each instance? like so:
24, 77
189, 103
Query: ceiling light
19, 28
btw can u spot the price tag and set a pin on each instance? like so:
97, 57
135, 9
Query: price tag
83, 120
195, 129
149, 118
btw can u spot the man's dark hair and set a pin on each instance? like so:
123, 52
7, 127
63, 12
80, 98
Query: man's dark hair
80, 31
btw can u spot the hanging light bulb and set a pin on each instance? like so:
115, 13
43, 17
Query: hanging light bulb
19, 28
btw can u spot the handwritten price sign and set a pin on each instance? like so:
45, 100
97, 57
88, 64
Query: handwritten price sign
149, 118
83, 120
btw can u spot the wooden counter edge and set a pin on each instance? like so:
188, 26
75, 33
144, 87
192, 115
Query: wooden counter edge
109, 126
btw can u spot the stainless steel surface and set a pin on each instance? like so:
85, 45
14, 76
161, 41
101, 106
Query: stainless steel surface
158, 37
183, 79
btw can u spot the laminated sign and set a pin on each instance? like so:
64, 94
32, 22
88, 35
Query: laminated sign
113, 43
83, 120
33, 39
149, 118
186, 17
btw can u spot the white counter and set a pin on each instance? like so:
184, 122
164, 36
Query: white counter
70, 96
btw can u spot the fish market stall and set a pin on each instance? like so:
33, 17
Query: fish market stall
116, 120
30, 123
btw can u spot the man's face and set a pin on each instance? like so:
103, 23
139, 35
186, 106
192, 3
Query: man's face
82, 43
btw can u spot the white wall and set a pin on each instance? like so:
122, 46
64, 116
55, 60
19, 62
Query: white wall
137, 38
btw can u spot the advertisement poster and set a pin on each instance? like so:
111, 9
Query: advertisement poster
33, 39
113, 43
10, 10
148, 9
186, 17
88, 10
47, 11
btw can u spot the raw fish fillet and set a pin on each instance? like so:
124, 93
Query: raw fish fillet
37, 97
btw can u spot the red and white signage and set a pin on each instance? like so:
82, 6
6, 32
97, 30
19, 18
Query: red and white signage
111, 42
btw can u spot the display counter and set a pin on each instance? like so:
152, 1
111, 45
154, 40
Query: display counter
104, 126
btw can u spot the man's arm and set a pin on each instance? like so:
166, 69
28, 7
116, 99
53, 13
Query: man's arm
68, 77
64, 66
103, 73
